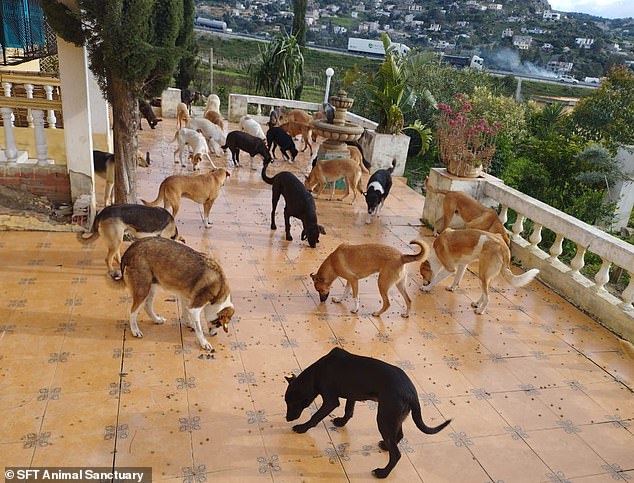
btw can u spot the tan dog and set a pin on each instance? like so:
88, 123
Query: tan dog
115, 221
202, 189
453, 250
216, 118
471, 213
104, 166
330, 170
182, 115
355, 154
297, 128
213, 103
196, 279
354, 262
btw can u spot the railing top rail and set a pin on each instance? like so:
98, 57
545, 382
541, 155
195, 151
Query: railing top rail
30, 79
595, 240
274, 101
24, 103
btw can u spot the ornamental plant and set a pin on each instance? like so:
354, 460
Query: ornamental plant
465, 141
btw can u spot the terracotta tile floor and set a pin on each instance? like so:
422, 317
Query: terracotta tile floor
537, 391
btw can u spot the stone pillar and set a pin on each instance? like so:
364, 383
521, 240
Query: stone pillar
73, 72
9, 137
170, 98
237, 107
623, 191
100, 117
41, 147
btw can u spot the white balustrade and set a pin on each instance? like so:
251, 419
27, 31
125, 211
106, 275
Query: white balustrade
29, 95
578, 262
536, 236
40, 137
51, 120
11, 151
6, 87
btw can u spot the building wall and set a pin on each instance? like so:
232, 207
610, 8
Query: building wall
51, 181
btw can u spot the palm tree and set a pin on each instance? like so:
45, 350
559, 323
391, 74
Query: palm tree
280, 69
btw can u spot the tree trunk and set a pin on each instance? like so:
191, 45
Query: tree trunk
125, 124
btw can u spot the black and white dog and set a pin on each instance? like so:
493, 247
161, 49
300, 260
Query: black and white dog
379, 186
277, 137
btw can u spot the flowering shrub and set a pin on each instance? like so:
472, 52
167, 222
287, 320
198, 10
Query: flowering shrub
465, 141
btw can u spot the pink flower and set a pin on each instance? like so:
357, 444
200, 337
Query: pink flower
466, 107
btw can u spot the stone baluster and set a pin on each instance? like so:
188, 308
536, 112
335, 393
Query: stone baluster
40, 137
29, 95
603, 275
6, 87
579, 261
557, 247
536, 236
628, 293
518, 226
51, 120
11, 150
504, 214
259, 110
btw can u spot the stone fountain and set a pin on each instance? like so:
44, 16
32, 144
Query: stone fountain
339, 131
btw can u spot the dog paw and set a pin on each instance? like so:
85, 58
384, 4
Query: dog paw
208, 347
301, 428
451, 288
337, 300
423, 288
207, 225
136, 333
474, 304
354, 311
339, 422
159, 320
213, 332
380, 472
405, 315
273, 227
289, 238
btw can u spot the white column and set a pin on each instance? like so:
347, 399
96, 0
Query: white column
41, 146
29, 95
99, 113
9, 138
6, 87
51, 120
73, 73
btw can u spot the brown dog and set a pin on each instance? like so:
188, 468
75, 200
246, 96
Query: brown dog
295, 129
330, 170
453, 250
216, 118
198, 281
202, 189
355, 154
354, 262
182, 115
472, 213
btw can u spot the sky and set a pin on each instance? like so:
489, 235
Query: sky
601, 8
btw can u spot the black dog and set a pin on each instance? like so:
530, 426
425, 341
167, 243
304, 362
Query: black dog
240, 140
189, 97
379, 186
146, 111
277, 137
299, 204
357, 378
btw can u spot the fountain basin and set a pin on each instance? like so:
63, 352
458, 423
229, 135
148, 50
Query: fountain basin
333, 132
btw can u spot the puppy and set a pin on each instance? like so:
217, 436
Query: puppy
340, 374
238, 140
215, 118
196, 279
330, 170
252, 127
453, 250
182, 115
213, 103
196, 141
202, 189
469, 212
103, 164
379, 186
299, 203
276, 136
115, 221
214, 135
148, 113
354, 262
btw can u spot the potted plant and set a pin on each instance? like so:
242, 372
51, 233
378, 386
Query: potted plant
389, 92
466, 143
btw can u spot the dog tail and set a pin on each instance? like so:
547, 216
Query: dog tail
519, 280
391, 170
264, 175
422, 255
93, 234
158, 199
418, 419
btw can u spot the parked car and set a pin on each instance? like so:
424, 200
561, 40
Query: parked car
568, 79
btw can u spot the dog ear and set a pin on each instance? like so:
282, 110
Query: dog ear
322, 230
290, 377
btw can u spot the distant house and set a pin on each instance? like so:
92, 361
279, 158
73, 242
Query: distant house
507, 33
462, 24
559, 67
338, 29
584, 43
354, 14
415, 8
359, 7
522, 42
494, 6
537, 31
547, 46
366, 27
551, 16
435, 27
409, 17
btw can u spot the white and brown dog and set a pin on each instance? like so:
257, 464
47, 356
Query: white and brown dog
355, 262
202, 189
213, 134
196, 279
252, 127
330, 170
453, 250
188, 138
